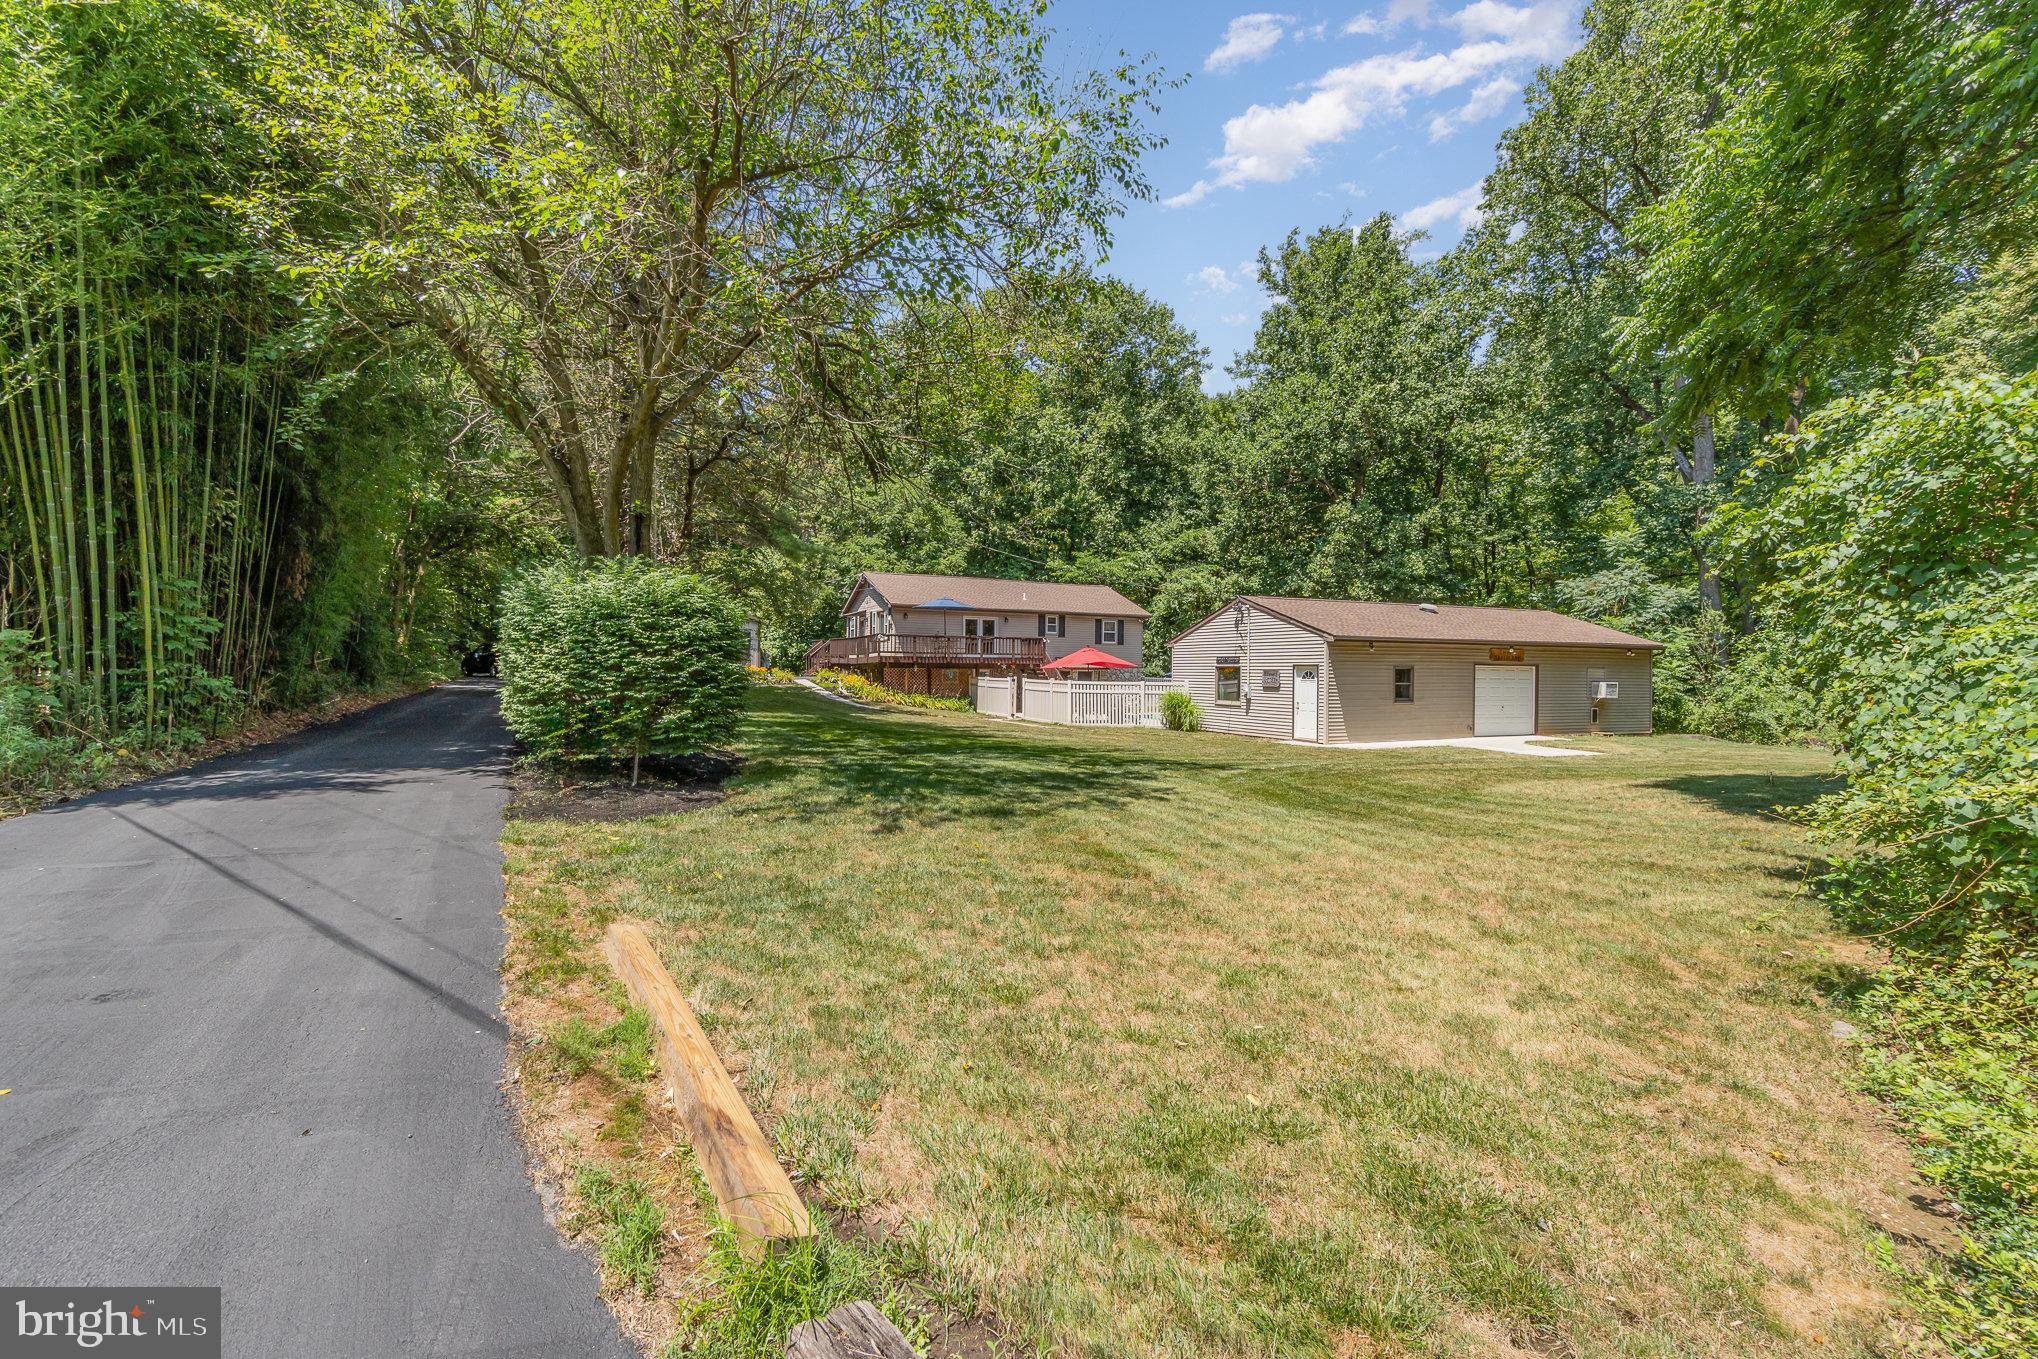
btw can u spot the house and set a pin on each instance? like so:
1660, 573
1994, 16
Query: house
930, 634
1329, 670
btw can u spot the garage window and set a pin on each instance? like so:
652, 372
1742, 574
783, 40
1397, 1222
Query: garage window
1227, 679
1404, 684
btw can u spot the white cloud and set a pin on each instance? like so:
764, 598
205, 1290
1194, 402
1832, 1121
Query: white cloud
1249, 38
1397, 13
1464, 205
1269, 144
1213, 279
1491, 19
1486, 101
1236, 318
1351, 187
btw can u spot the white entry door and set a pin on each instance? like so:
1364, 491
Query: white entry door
1504, 700
1305, 703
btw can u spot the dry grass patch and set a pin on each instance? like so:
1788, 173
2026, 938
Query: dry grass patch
1181, 1045
589, 1105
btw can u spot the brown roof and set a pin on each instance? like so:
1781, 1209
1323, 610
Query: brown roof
910, 589
1378, 621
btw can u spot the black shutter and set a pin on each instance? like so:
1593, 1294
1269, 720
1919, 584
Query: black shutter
1043, 626
1100, 632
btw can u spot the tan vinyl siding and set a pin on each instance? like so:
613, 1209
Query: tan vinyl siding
1263, 643
1364, 708
931, 622
1563, 689
1082, 632
869, 606
1082, 629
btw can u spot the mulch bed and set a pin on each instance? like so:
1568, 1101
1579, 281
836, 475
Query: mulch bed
665, 786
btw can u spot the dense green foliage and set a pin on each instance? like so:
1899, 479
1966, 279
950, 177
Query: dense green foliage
1465, 428
1957, 1045
212, 495
305, 302
1750, 688
851, 684
1865, 159
619, 661
1905, 541
498, 177
1906, 552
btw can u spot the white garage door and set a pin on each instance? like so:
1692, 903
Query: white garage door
1504, 701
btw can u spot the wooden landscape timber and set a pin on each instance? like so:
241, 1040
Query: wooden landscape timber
750, 1187
855, 1330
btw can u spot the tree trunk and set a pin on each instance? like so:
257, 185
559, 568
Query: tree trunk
643, 467
1704, 468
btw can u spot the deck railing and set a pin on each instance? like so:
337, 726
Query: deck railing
913, 649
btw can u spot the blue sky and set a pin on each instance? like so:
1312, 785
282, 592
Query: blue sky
1294, 116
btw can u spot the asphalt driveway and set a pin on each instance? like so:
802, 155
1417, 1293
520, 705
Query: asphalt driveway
248, 1016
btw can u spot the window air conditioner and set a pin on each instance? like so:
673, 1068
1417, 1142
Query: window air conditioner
1605, 689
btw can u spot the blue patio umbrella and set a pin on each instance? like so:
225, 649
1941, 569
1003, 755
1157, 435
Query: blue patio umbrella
942, 603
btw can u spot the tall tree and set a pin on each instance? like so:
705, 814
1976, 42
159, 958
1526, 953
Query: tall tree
1604, 140
1870, 156
1056, 430
637, 226
1355, 471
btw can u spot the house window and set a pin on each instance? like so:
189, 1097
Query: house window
1227, 679
1404, 684
1054, 625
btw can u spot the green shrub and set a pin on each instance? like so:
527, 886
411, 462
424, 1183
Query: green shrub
606, 660
1179, 712
1712, 681
1905, 552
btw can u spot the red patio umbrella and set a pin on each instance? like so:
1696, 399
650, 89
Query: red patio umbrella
1088, 658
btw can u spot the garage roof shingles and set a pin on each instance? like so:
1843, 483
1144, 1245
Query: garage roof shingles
911, 589
1373, 620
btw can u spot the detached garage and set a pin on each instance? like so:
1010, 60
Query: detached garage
1329, 670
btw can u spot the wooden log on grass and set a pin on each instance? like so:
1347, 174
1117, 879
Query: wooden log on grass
855, 1330
751, 1188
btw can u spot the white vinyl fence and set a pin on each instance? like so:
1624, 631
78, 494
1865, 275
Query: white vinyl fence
997, 695
1090, 703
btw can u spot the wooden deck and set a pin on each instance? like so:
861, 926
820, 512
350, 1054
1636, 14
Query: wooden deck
917, 650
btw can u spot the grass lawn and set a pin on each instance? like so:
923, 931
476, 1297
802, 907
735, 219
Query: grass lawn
1187, 1045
